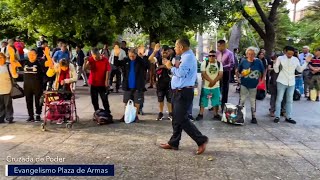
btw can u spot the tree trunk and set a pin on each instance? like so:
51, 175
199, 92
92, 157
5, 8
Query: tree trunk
234, 40
269, 45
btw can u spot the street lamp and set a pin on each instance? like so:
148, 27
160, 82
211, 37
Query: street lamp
216, 25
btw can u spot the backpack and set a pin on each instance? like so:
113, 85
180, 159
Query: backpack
102, 117
217, 63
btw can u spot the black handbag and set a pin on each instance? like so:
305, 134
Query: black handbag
16, 91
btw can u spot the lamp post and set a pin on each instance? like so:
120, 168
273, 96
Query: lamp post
216, 25
294, 2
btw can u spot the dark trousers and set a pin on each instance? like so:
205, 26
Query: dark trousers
117, 73
6, 108
181, 101
102, 91
33, 92
224, 86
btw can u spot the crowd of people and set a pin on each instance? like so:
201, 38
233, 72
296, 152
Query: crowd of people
133, 68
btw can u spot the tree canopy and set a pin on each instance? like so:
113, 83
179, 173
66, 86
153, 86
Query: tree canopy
91, 21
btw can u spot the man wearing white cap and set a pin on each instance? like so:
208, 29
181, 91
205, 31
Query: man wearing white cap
306, 73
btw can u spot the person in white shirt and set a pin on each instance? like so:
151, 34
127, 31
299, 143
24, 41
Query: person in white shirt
306, 72
4, 44
286, 65
116, 71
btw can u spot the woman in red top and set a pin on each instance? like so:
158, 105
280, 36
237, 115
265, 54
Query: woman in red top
100, 68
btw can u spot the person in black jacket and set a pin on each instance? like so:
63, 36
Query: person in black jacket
33, 85
133, 83
80, 61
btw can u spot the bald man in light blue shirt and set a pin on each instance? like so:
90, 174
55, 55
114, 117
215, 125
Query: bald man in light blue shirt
182, 84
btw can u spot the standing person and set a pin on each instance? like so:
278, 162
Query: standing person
19, 45
286, 81
227, 59
152, 68
314, 67
164, 79
251, 70
116, 69
299, 78
133, 83
212, 72
11, 45
124, 47
80, 62
6, 108
182, 84
236, 64
306, 73
39, 43
33, 85
4, 44
42, 59
105, 51
61, 54
58, 48
99, 67
273, 89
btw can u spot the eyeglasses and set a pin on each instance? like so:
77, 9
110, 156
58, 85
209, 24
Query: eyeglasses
212, 55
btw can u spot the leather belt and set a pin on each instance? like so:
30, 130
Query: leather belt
180, 89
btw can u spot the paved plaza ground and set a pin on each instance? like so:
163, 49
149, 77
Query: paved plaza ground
263, 151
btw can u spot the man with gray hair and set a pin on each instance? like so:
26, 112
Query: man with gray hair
251, 71
306, 73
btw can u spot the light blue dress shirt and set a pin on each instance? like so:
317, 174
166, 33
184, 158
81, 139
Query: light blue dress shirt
186, 74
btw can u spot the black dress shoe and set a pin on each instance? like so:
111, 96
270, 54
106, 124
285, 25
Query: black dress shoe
291, 121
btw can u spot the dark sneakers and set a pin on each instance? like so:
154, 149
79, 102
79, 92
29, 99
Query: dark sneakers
30, 119
254, 121
191, 117
199, 117
38, 118
291, 121
276, 120
122, 119
160, 116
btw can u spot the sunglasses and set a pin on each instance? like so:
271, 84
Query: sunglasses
212, 55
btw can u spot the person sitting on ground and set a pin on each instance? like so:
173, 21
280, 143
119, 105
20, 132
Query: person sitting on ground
6, 108
314, 66
211, 72
251, 70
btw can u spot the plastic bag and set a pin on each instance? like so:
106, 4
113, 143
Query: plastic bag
130, 112
313, 94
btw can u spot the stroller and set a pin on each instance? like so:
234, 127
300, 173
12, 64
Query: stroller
59, 106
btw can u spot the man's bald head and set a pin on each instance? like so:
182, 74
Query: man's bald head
182, 45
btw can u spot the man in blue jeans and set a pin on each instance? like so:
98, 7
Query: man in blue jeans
286, 80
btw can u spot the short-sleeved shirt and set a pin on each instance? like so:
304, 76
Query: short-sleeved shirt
58, 55
212, 71
98, 70
315, 63
19, 46
255, 69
